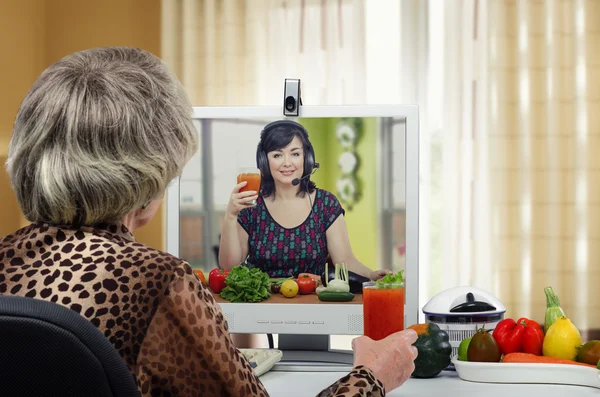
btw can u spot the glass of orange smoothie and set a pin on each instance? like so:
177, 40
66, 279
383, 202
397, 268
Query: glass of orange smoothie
252, 177
383, 308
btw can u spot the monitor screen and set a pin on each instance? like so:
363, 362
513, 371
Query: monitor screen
368, 160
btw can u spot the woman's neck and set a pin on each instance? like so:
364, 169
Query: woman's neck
286, 193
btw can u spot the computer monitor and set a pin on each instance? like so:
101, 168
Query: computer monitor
369, 158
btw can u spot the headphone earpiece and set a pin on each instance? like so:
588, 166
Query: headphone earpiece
262, 162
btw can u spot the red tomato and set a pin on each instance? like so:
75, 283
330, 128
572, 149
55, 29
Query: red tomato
313, 276
306, 284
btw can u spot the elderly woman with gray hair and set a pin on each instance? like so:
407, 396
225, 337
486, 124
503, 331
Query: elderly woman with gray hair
96, 141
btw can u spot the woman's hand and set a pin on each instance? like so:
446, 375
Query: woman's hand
238, 201
391, 359
377, 274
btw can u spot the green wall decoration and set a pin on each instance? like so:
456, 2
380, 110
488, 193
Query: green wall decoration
348, 133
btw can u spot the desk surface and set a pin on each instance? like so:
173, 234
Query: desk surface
308, 384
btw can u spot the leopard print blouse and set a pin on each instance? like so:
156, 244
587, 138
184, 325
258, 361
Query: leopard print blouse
150, 305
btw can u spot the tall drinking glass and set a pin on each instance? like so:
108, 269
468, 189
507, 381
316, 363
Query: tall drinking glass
383, 309
252, 177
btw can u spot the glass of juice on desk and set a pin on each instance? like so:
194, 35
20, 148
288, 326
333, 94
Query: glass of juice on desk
383, 307
252, 177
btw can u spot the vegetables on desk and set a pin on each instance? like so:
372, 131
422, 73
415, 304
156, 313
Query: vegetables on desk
355, 281
332, 296
306, 284
553, 309
289, 288
339, 283
315, 277
246, 285
509, 336
276, 284
562, 340
483, 347
200, 275
523, 335
336, 290
533, 338
216, 280
589, 352
434, 349
320, 289
533, 359
462, 349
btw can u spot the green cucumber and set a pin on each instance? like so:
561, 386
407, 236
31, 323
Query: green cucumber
329, 296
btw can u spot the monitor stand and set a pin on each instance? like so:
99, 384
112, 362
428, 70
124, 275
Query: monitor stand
311, 353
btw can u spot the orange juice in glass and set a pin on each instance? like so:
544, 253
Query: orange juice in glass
252, 177
383, 308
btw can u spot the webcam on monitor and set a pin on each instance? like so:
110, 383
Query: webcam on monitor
291, 97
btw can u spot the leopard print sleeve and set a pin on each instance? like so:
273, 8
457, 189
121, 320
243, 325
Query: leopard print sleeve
359, 382
188, 351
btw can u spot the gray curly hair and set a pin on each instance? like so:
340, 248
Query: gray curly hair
100, 133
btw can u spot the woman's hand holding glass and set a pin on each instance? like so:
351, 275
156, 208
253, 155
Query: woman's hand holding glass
240, 200
391, 359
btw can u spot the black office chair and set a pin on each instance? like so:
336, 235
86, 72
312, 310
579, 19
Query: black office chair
49, 350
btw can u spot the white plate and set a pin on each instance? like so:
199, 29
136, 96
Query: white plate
562, 374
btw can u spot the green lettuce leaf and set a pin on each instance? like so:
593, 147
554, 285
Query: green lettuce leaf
393, 279
246, 285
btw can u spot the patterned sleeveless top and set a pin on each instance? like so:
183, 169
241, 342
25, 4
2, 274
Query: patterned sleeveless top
282, 252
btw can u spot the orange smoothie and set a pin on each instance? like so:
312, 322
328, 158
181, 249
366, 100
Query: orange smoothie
253, 182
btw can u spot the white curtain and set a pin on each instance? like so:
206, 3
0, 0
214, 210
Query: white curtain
544, 80
239, 52
465, 228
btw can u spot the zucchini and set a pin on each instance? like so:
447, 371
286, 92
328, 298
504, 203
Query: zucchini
329, 296
553, 309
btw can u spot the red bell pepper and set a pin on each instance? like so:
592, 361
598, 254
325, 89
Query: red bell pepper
509, 336
533, 338
216, 280
528, 322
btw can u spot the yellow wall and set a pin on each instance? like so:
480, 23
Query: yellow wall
362, 219
36, 33
22, 30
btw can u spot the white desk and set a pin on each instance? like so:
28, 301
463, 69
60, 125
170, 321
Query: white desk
308, 384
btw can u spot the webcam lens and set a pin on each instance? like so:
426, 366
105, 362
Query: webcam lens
290, 103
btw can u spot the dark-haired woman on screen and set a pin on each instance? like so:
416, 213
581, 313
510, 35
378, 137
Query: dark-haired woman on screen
294, 226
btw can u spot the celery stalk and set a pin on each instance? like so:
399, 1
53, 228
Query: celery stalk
553, 309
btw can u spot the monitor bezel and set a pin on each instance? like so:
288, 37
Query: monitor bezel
333, 318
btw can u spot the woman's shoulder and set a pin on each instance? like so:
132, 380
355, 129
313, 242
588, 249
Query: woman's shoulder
327, 198
113, 241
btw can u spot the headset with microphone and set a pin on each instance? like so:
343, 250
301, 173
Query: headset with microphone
297, 181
